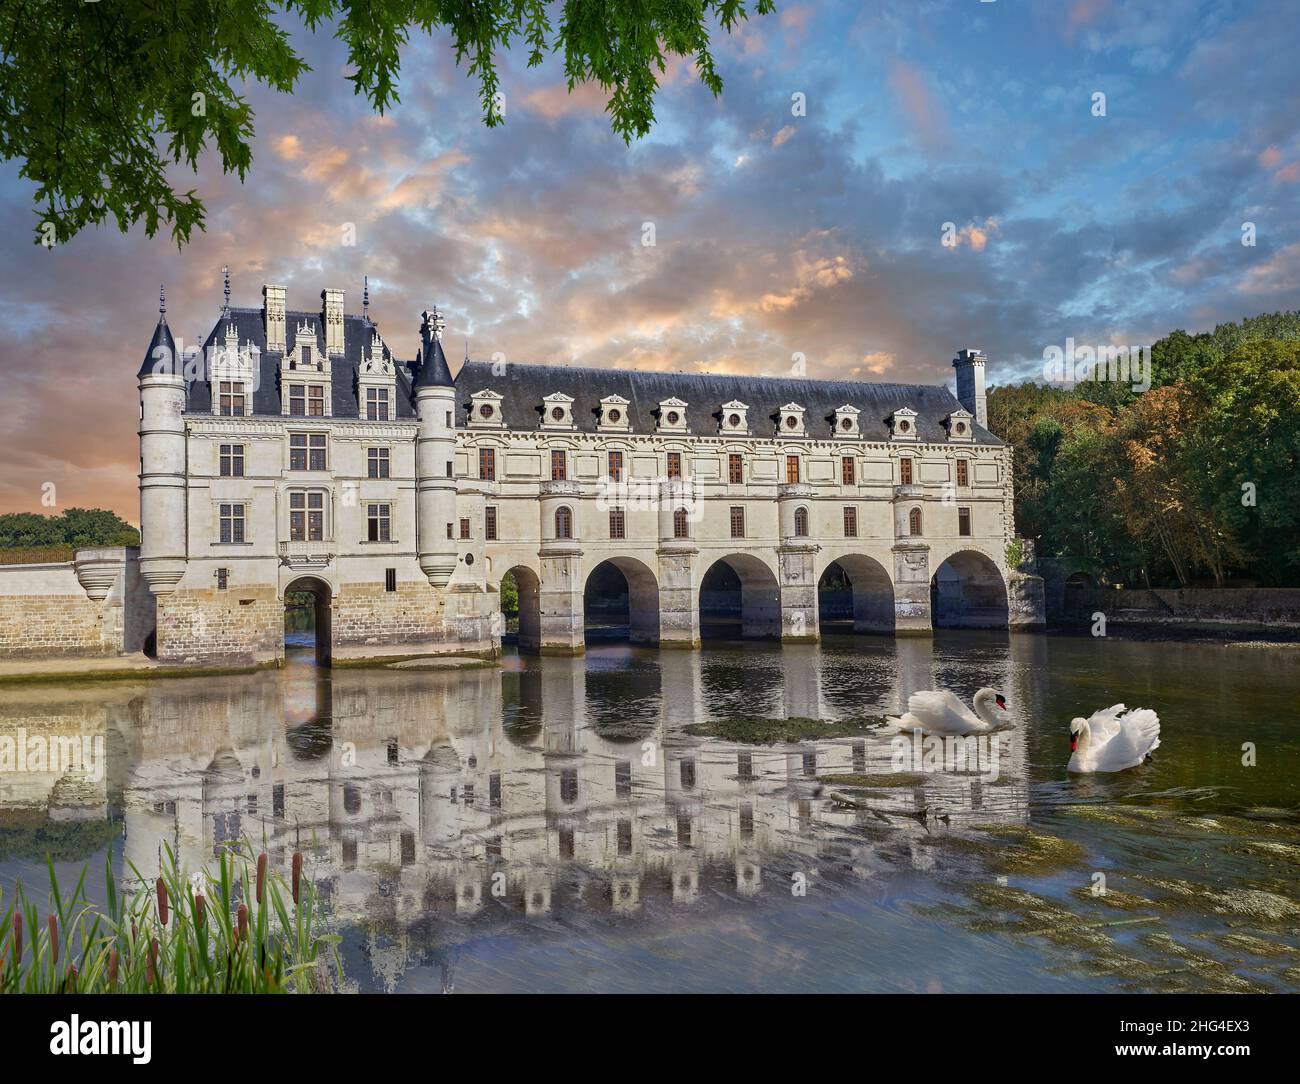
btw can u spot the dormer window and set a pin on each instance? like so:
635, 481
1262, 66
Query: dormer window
790, 421
233, 374
613, 415
902, 424
735, 418
376, 382
485, 410
958, 424
303, 365
672, 416
846, 421
557, 411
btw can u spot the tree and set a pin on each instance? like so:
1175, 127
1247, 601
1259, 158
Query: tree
99, 99
97, 527
23, 530
1248, 458
76, 527
1157, 490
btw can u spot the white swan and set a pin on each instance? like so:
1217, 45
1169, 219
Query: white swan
1112, 740
933, 712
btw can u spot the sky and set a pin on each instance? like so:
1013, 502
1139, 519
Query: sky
780, 234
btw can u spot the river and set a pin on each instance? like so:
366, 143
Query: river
551, 824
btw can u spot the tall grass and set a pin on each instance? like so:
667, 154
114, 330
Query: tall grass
239, 929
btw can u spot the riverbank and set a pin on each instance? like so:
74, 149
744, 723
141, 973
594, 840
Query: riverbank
1243, 636
28, 671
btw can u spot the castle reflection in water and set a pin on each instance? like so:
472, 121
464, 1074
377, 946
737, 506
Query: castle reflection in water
432, 804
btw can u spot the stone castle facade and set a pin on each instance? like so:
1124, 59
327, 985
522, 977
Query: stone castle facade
295, 452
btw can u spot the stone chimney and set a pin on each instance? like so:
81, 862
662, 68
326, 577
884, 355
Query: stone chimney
969, 364
273, 318
332, 319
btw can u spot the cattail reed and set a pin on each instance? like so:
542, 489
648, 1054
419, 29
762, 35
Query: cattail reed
297, 874
112, 967
71, 980
241, 918
151, 961
261, 875
18, 936
54, 938
162, 901
198, 910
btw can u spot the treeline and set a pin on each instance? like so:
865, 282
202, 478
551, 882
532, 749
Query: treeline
1195, 480
75, 527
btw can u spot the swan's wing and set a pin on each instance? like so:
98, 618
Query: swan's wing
1105, 724
940, 710
1142, 727
1138, 734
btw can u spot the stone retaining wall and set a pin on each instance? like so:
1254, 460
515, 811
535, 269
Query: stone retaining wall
1265, 606
51, 610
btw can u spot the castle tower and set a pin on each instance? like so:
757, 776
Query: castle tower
162, 459
970, 383
435, 455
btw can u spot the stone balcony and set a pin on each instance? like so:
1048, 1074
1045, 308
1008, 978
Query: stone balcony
910, 492
560, 487
795, 491
306, 555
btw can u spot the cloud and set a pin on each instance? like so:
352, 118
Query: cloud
921, 105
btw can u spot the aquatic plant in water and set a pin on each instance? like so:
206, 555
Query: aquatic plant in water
240, 928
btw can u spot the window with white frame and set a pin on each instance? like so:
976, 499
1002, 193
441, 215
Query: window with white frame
306, 515
231, 523
377, 405
231, 398
231, 461
379, 522
307, 451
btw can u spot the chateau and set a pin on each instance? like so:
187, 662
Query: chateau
294, 452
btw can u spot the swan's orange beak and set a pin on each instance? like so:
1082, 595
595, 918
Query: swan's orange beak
1074, 741
1002, 701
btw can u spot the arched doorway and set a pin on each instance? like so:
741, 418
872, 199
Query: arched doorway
855, 594
521, 609
967, 592
307, 619
740, 599
621, 602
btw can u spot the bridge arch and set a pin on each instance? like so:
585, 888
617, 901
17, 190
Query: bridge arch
968, 591
855, 592
520, 595
740, 595
620, 600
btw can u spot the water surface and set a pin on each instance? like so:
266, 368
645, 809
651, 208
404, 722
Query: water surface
549, 825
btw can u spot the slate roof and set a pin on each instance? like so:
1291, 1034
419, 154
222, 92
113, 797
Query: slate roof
343, 369
431, 368
162, 341
524, 386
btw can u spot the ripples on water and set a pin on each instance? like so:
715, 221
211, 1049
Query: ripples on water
550, 825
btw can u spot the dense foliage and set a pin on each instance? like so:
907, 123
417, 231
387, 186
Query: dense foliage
99, 101
1194, 480
75, 527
